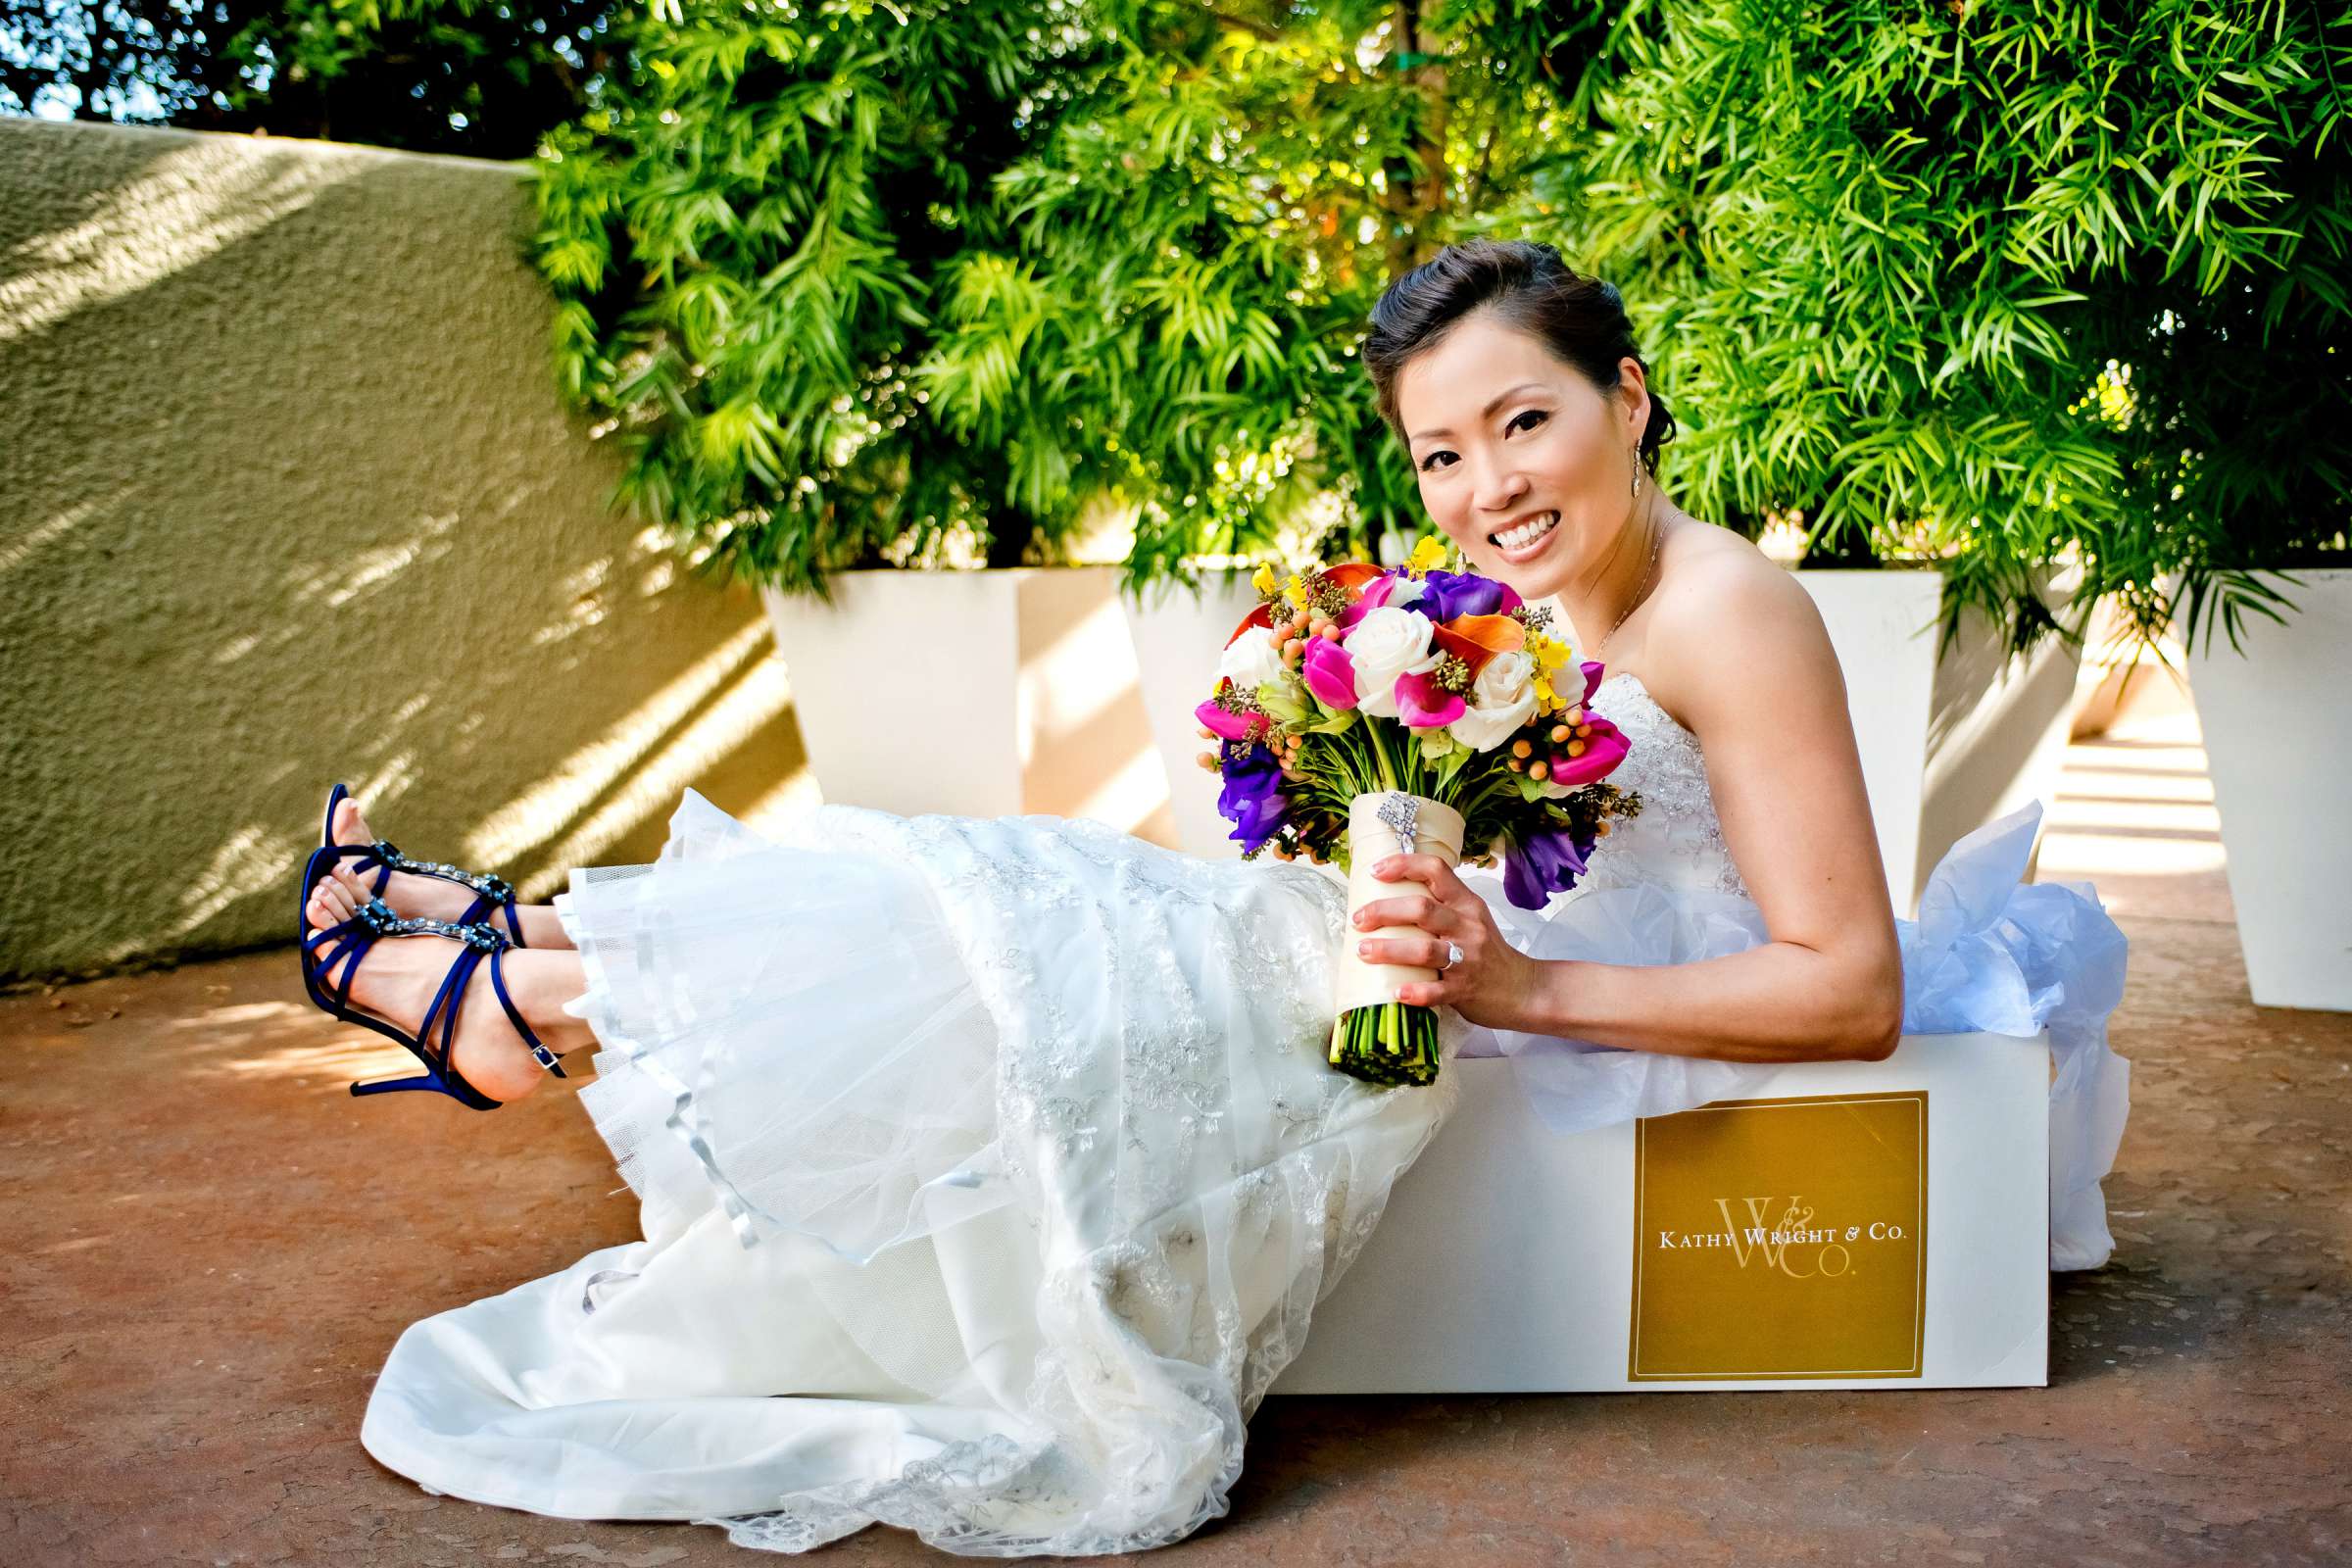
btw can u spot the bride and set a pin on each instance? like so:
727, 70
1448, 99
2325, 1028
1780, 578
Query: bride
1007, 1149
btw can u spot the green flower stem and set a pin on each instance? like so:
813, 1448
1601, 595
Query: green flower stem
1390, 1044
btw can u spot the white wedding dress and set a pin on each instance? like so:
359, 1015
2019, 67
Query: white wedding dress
990, 1171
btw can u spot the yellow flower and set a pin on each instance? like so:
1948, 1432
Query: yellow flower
1264, 581
1427, 557
1548, 652
1296, 591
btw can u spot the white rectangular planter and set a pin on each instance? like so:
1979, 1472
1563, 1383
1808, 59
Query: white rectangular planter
974, 694
1950, 739
1512, 1259
2277, 724
1179, 636
1882, 626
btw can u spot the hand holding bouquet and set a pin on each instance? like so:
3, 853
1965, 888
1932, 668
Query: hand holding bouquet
1363, 711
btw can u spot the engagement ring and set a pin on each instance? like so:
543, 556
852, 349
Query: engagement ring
1454, 956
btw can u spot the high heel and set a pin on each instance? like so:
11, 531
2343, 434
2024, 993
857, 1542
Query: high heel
491, 894
330, 958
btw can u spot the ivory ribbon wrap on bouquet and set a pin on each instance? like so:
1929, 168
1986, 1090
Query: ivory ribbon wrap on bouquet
1372, 837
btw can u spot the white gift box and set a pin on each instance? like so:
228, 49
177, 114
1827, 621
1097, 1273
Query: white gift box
1851, 1225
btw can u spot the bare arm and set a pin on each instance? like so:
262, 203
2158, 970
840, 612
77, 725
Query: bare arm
1740, 658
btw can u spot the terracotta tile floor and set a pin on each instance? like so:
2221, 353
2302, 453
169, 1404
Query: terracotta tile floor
211, 1248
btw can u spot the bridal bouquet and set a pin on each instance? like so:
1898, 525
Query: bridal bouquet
1363, 711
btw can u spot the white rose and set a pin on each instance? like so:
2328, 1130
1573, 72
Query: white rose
1251, 660
1386, 644
1501, 699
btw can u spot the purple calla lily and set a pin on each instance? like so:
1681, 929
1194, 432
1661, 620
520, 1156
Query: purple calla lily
1542, 865
1448, 594
1251, 799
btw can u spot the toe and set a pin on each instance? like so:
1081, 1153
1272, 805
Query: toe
350, 827
352, 884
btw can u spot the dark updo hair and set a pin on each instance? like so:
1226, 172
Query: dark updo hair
1581, 320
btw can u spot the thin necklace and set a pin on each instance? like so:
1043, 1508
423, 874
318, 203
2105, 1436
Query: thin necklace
1657, 538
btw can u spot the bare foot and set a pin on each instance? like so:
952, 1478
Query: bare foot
399, 977
412, 897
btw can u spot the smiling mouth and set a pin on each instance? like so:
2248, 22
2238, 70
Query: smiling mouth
1526, 533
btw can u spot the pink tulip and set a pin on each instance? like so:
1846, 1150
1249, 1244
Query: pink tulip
1330, 674
1233, 726
1375, 595
1425, 704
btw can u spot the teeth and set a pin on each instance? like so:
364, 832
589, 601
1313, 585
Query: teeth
1528, 533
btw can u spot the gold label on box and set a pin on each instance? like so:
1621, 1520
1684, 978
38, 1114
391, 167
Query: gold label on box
1781, 1239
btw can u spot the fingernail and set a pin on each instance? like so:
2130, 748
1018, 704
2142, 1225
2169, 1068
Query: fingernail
1363, 950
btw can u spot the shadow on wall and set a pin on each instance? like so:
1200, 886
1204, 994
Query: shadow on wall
288, 497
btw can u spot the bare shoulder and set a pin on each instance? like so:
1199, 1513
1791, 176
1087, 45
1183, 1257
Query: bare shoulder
1730, 620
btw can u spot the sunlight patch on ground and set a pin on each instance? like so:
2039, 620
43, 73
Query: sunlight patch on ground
2136, 802
349, 1053
244, 1013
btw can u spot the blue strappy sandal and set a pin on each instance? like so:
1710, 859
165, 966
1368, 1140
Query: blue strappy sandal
331, 957
491, 894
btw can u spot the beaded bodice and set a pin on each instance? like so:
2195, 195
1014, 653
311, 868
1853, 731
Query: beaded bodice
1677, 841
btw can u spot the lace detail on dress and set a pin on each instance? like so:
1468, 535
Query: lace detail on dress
889, 1029
1677, 841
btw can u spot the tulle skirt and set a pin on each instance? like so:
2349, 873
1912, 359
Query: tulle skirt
990, 1171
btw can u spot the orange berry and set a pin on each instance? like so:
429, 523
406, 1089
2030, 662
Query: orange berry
1559, 733
1522, 750
1516, 766
1539, 771
1576, 748
1330, 632
1208, 760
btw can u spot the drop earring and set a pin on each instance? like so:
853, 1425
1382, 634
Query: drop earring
1636, 474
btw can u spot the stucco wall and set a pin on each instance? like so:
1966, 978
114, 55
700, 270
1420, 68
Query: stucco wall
286, 496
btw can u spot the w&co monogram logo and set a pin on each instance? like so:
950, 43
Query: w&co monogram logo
1828, 1283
